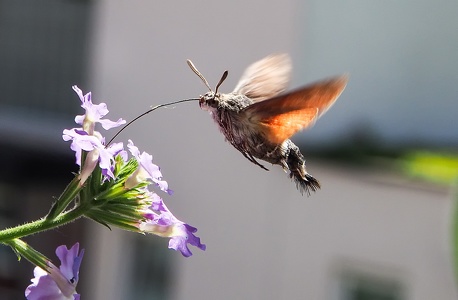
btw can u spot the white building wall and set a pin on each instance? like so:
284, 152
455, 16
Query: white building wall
264, 240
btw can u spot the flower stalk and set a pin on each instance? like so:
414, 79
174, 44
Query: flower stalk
20, 231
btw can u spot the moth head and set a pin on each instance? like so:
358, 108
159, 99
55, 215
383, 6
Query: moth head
210, 98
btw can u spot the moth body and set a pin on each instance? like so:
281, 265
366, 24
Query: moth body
227, 110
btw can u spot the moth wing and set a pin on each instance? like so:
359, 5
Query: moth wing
265, 78
281, 117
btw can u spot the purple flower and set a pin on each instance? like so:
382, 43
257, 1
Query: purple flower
163, 223
96, 152
186, 236
146, 170
91, 141
57, 283
94, 114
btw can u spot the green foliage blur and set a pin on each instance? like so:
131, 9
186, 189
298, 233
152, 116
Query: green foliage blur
435, 167
441, 168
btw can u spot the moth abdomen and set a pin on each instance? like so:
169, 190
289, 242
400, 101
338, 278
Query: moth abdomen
295, 162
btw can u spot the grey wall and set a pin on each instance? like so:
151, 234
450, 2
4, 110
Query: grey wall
396, 53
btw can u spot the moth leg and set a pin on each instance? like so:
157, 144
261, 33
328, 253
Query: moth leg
253, 160
247, 155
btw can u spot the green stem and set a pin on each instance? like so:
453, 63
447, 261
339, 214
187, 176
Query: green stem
20, 231
70, 192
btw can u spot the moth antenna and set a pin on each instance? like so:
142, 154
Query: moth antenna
221, 81
194, 69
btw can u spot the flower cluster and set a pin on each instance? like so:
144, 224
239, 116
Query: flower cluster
110, 188
118, 184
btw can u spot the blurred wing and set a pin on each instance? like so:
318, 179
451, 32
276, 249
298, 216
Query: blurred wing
282, 116
266, 78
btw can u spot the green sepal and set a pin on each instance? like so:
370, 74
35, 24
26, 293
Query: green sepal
22, 249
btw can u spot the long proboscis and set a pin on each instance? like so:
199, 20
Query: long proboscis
147, 112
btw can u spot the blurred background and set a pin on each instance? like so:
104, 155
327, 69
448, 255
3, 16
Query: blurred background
372, 232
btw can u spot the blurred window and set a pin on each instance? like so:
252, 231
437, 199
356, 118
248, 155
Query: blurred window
150, 269
368, 287
43, 51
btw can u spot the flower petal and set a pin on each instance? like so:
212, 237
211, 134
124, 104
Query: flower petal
153, 172
165, 224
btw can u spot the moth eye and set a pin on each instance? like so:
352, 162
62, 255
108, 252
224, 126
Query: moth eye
212, 101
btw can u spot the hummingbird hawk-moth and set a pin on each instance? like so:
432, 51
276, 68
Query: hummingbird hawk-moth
258, 120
